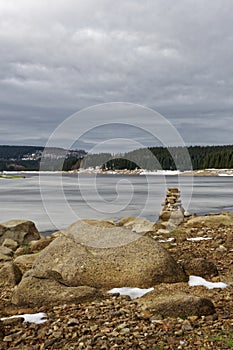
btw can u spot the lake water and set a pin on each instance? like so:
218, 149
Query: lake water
54, 201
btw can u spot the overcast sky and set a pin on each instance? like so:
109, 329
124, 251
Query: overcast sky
60, 56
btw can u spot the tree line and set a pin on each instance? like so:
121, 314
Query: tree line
152, 158
174, 158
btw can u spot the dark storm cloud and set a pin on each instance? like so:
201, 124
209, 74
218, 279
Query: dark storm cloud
60, 56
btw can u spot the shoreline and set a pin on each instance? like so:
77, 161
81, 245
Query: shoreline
140, 172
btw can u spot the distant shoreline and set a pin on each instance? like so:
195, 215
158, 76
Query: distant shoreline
204, 172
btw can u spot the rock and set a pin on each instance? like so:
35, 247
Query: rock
99, 223
186, 326
23, 250
138, 225
40, 292
176, 305
200, 267
4, 257
21, 231
40, 244
6, 251
141, 262
25, 262
163, 231
212, 220
10, 243
57, 234
10, 274
127, 221
221, 249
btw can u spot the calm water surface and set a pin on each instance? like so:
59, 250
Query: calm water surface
53, 201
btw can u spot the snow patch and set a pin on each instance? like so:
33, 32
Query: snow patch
196, 239
159, 172
37, 318
166, 240
199, 281
132, 292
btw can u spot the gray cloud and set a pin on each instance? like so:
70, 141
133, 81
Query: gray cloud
61, 56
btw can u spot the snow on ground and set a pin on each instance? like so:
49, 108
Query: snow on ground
196, 239
159, 172
37, 318
166, 240
199, 281
132, 292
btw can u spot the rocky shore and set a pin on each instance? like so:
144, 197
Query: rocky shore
68, 275
202, 172
99, 171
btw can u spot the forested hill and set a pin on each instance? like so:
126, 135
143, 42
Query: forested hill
29, 158
153, 158
17, 152
175, 158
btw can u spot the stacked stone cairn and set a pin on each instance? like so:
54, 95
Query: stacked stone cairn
172, 213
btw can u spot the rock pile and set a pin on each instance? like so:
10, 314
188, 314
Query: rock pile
172, 207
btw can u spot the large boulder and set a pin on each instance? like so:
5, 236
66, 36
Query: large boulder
130, 260
21, 231
176, 305
40, 292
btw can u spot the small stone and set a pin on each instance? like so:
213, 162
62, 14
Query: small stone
124, 331
72, 322
8, 338
187, 326
221, 249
